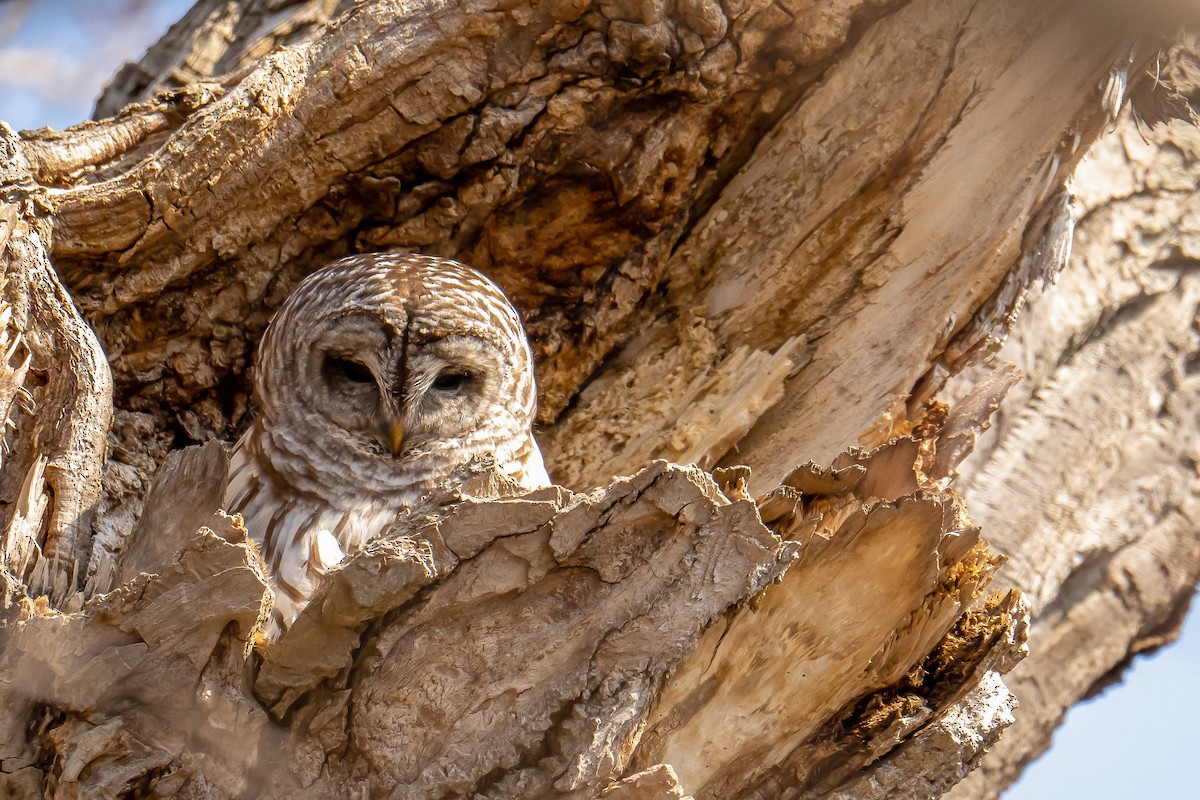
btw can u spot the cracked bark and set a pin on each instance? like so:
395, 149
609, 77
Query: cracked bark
754, 237
1108, 554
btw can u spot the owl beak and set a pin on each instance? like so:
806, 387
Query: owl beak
396, 436
390, 432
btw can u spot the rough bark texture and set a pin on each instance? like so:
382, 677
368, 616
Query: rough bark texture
743, 233
1106, 549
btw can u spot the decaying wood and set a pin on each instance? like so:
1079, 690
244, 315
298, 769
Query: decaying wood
1092, 466
58, 408
818, 219
751, 233
575, 609
187, 491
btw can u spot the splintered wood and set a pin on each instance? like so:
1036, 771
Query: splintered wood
742, 234
56, 394
666, 634
1089, 480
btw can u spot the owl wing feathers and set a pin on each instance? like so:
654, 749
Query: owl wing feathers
301, 538
325, 552
529, 468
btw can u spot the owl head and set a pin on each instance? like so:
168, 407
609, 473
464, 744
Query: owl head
391, 360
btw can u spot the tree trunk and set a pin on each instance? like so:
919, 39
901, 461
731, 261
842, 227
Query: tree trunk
778, 242
1106, 550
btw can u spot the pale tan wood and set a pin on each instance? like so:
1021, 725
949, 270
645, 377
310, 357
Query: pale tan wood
815, 236
188, 490
741, 232
573, 613
1089, 481
657, 783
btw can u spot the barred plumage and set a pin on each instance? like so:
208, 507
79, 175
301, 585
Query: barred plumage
376, 378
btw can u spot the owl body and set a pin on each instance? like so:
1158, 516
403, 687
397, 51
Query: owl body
376, 378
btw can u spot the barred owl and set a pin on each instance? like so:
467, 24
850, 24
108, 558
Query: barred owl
375, 379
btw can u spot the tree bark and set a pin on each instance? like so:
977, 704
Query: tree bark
1106, 551
755, 238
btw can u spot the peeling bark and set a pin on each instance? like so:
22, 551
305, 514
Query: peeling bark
1107, 550
746, 237
575, 609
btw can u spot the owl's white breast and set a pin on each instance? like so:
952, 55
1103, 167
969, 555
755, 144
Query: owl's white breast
300, 535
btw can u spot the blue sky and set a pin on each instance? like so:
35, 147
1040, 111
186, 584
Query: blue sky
1137, 740
56, 55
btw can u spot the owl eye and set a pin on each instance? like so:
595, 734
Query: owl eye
450, 381
346, 369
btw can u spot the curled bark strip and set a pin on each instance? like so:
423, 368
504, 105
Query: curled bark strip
514, 646
60, 382
73, 390
54, 157
80, 385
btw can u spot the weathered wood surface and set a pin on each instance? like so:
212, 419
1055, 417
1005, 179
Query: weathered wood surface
57, 408
1089, 482
518, 647
734, 244
858, 218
